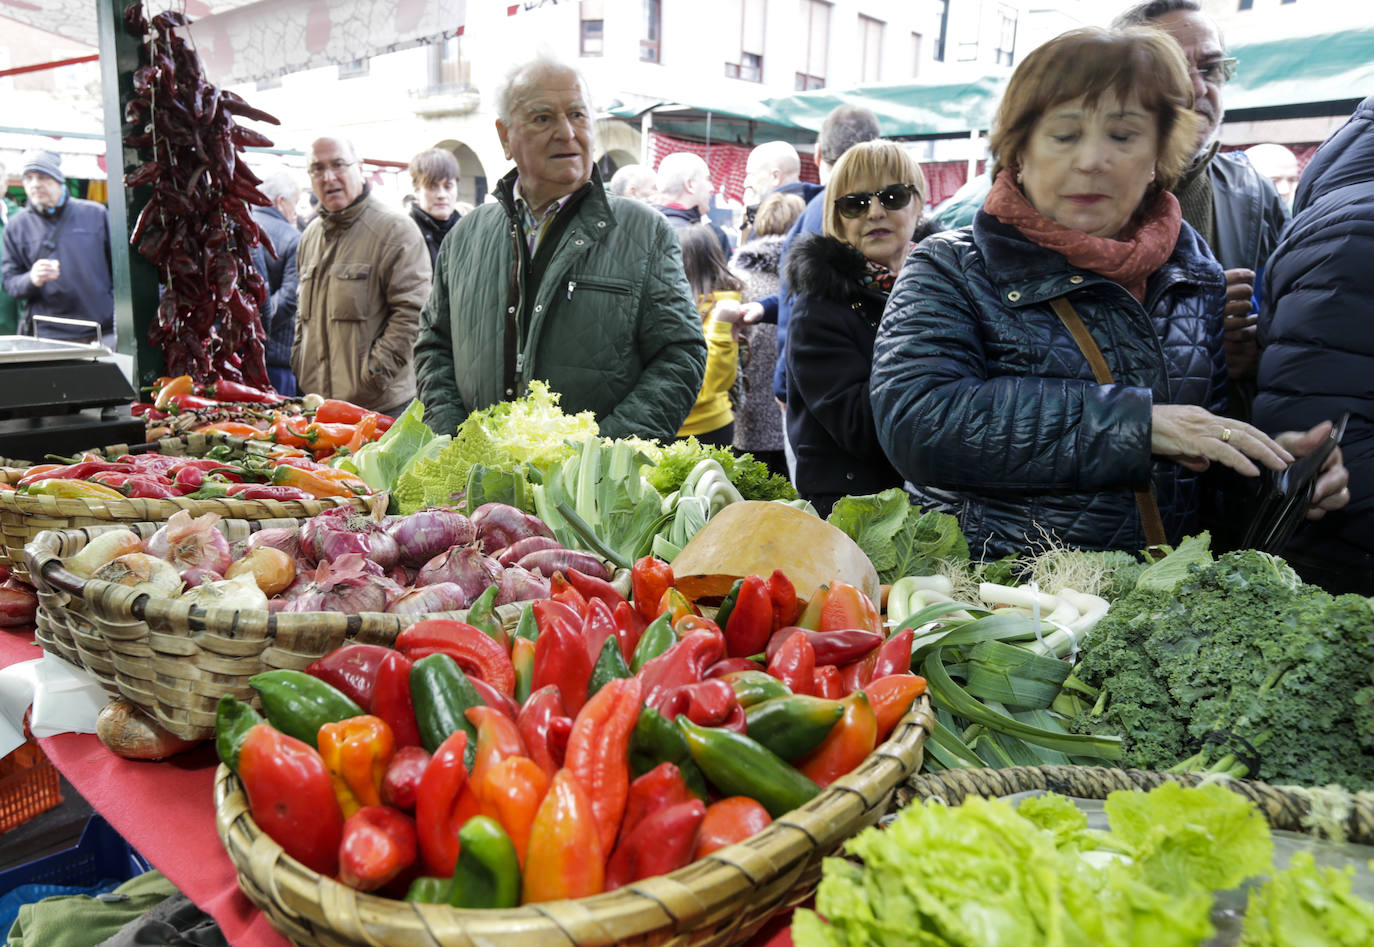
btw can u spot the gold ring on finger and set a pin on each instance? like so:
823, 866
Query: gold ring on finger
1226, 433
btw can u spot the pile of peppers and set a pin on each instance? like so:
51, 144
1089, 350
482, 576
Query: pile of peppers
219, 473
607, 740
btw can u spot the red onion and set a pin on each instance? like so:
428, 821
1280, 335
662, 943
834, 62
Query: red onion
195, 575
439, 597
499, 525
351, 584
185, 542
422, 536
464, 565
549, 561
523, 547
18, 603
521, 585
341, 532
279, 537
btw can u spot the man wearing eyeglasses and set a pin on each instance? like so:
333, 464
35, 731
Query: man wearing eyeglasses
364, 272
1224, 198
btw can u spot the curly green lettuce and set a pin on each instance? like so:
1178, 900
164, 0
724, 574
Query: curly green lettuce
899, 538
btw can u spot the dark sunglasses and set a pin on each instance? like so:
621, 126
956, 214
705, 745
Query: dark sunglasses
892, 197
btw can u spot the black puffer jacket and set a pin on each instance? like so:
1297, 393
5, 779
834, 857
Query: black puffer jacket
986, 405
1316, 332
829, 353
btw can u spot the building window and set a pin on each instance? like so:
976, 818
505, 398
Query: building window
353, 70
815, 35
871, 40
915, 55
447, 68
750, 14
649, 45
942, 38
1006, 36
593, 21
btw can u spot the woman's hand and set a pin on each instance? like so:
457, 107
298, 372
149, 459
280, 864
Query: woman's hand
727, 310
1195, 437
752, 312
1240, 337
1331, 490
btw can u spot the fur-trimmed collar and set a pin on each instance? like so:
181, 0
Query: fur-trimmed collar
760, 255
822, 266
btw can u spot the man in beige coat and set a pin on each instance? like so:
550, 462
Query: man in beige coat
364, 274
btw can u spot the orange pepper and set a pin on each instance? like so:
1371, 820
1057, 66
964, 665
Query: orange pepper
846, 606
892, 697
233, 428
181, 385
313, 482
357, 752
598, 753
290, 429
851, 740
328, 436
497, 738
732, 819
676, 604
364, 432
565, 858
511, 794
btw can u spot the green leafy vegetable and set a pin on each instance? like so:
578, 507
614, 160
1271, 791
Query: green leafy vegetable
1307, 905
381, 462
899, 538
1167, 573
750, 477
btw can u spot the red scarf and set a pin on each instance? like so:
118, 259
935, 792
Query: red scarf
1143, 245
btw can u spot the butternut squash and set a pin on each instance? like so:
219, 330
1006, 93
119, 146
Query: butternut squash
756, 537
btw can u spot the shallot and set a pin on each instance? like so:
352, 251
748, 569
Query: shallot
521, 585
422, 536
439, 597
336, 533
464, 565
347, 585
499, 525
142, 573
185, 542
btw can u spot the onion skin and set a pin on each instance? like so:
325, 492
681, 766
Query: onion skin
439, 597
548, 561
337, 533
187, 542
142, 573
422, 536
278, 537
129, 732
101, 550
196, 576
499, 525
464, 565
523, 547
521, 585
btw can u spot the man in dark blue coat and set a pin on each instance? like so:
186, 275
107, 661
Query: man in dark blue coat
279, 223
1317, 343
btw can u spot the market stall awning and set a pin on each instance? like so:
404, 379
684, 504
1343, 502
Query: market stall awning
1331, 67
248, 40
904, 109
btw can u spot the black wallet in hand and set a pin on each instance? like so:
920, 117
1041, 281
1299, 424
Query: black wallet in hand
1285, 495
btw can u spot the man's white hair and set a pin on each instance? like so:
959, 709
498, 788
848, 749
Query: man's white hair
780, 156
521, 74
345, 145
676, 169
278, 185
637, 176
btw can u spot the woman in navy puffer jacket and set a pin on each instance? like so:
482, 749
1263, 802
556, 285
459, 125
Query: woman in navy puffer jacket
981, 397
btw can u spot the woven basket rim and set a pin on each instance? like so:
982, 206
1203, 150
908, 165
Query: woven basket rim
903, 748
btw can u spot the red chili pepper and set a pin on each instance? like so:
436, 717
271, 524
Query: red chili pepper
592, 587
649, 579
629, 628
291, 798
846, 606
683, 663
795, 664
730, 666
493, 698
78, 471
401, 784
751, 620
710, 703
561, 590
142, 409
856, 674
891, 698
179, 403
598, 752
894, 657
110, 478
828, 683
475, 652
687, 624
226, 390
783, 596
534, 721
379, 843
353, 670
390, 696
264, 491
848, 744
334, 411
289, 430
437, 815
597, 626
148, 487
663, 842
559, 656
659, 788
831, 647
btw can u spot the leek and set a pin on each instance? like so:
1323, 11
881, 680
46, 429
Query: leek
1010, 675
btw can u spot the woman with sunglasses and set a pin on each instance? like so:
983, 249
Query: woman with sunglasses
840, 281
1029, 418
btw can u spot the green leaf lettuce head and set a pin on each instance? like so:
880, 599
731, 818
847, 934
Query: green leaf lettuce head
899, 538
1307, 905
381, 462
750, 477
984, 874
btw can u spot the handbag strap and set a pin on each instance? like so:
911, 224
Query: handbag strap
1145, 500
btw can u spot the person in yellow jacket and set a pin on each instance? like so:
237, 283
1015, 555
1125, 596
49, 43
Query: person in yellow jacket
717, 292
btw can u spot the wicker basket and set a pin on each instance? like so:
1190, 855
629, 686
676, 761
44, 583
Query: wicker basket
1285, 807
22, 517
176, 660
721, 899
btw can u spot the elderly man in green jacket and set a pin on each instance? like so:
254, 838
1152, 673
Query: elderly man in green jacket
561, 282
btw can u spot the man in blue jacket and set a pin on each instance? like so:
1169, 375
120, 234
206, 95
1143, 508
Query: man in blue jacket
56, 254
278, 221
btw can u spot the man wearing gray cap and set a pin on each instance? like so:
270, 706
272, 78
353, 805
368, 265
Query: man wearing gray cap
56, 254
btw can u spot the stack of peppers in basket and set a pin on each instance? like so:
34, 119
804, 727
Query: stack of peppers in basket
605, 742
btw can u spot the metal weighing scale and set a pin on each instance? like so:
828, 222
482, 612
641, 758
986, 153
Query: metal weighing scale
61, 397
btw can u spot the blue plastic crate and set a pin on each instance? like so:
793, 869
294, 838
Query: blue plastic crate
102, 854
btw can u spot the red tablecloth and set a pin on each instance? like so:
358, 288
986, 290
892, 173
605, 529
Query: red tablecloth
165, 810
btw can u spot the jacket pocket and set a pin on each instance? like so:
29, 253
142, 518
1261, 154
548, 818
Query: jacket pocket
349, 291
599, 284
305, 291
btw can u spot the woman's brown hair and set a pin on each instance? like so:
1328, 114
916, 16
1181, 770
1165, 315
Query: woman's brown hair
1090, 63
882, 162
703, 261
776, 214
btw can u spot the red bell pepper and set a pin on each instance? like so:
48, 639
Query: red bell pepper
438, 815
291, 798
592, 587
379, 843
476, 653
534, 721
493, 698
794, 663
650, 578
598, 754
559, 655
830, 647
401, 784
511, 794
828, 682
597, 625
751, 620
732, 819
892, 697
846, 606
683, 663
352, 669
390, 697
659, 788
894, 657
783, 596
357, 752
662, 842
564, 858
848, 744
710, 703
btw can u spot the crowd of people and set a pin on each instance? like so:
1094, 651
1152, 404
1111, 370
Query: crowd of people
1124, 331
